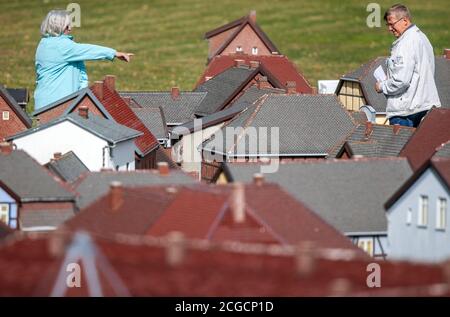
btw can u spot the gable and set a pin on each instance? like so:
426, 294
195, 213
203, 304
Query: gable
93, 109
216, 41
247, 39
13, 124
54, 112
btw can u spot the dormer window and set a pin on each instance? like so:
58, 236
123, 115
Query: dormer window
255, 51
239, 49
5, 115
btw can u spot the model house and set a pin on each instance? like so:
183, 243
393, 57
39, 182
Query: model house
31, 198
97, 142
418, 226
13, 118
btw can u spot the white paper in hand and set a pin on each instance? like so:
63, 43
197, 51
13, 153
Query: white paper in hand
379, 74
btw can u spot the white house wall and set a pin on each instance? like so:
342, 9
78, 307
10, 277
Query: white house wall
191, 158
410, 242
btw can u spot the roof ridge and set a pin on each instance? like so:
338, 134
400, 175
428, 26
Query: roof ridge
258, 104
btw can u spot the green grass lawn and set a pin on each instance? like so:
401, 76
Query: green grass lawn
323, 38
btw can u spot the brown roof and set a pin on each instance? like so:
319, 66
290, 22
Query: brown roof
431, 133
278, 69
129, 265
124, 115
203, 211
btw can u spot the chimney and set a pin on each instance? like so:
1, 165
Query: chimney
163, 168
116, 195
6, 147
83, 111
110, 82
175, 248
58, 242
252, 16
238, 202
207, 78
263, 83
291, 87
447, 53
369, 129
97, 88
254, 64
396, 128
305, 258
239, 63
57, 155
258, 179
175, 93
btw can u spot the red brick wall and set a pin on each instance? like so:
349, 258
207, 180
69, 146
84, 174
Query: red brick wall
147, 162
13, 125
91, 106
54, 112
216, 41
247, 39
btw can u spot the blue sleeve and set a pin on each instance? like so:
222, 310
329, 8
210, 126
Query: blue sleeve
84, 82
75, 52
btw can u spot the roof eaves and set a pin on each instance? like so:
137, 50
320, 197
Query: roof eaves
15, 107
58, 102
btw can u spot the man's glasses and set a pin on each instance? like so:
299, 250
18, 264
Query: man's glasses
392, 24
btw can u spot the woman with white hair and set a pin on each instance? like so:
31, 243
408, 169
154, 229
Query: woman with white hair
60, 68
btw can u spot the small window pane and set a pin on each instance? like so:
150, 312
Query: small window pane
5, 115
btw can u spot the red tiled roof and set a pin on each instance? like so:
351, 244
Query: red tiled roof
29, 267
431, 133
202, 211
124, 115
442, 166
140, 207
278, 65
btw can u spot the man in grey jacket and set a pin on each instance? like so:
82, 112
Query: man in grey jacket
410, 88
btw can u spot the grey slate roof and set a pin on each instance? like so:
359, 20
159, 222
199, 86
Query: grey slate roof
153, 119
442, 78
93, 185
176, 111
15, 106
364, 75
348, 194
222, 88
382, 142
69, 167
106, 129
20, 95
243, 102
44, 218
443, 150
29, 180
309, 125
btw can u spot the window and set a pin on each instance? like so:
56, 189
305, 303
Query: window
238, 48
367, 245
422, 220
117, 167
128, 166
409, 216
441, 214
5, 115
255, 51
4, 213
